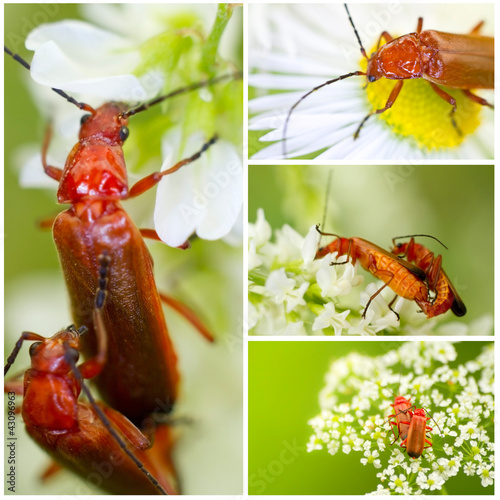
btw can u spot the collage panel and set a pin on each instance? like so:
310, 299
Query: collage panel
380, 417
171, 383
371, 81
305, 283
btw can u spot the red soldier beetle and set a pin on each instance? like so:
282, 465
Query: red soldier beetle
416, 440
140, 376
446, 296
401, 407
399, 416
80, 435
406, 279
464, 62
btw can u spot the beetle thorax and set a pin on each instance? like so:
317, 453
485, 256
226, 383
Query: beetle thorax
398, 59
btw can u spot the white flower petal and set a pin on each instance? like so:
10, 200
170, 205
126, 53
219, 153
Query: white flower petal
205, 196
65, 58
310, 245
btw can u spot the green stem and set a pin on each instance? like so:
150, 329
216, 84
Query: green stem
209, 54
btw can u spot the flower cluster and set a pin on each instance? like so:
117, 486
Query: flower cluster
355, 405
291, 293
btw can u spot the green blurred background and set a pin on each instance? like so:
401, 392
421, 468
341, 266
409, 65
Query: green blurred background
24, 125
378, 202
284, 380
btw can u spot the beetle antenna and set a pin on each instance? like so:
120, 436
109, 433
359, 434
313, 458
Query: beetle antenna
363, 51
290, 111
327, 194
237, 75
355, 73
430, 416
85, 107
71, 361
326, 234
417, 235
23, 62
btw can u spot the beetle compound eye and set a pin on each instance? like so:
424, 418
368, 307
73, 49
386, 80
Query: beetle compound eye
123, 133
371, 78
34, 347
72, 353
84, 118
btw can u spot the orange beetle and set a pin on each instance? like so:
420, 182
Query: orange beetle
463, 62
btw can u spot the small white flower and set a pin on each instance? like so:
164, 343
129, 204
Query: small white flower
283, 289
288, 244
331, 285
254, 260
333, 447
468, 431
371, 458
330, 318
399, 484
470, 468
448, 449
260, 232
476, 451
486, 475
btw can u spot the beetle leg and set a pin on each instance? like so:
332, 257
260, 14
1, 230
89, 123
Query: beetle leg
388, 38
392, 98
16, 386
420, 24
188, 314
50, 471
390, 305
93, 366
477, 99
451, 101
54, 172
153, 235
372, 297
428, 442
127, 428
372, 267
151, 180
46, 223
434, 271
477, 28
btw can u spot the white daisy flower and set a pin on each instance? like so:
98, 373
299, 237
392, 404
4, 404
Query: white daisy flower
297, 47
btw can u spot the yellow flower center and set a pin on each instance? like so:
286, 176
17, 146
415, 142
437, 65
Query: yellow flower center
419, 113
